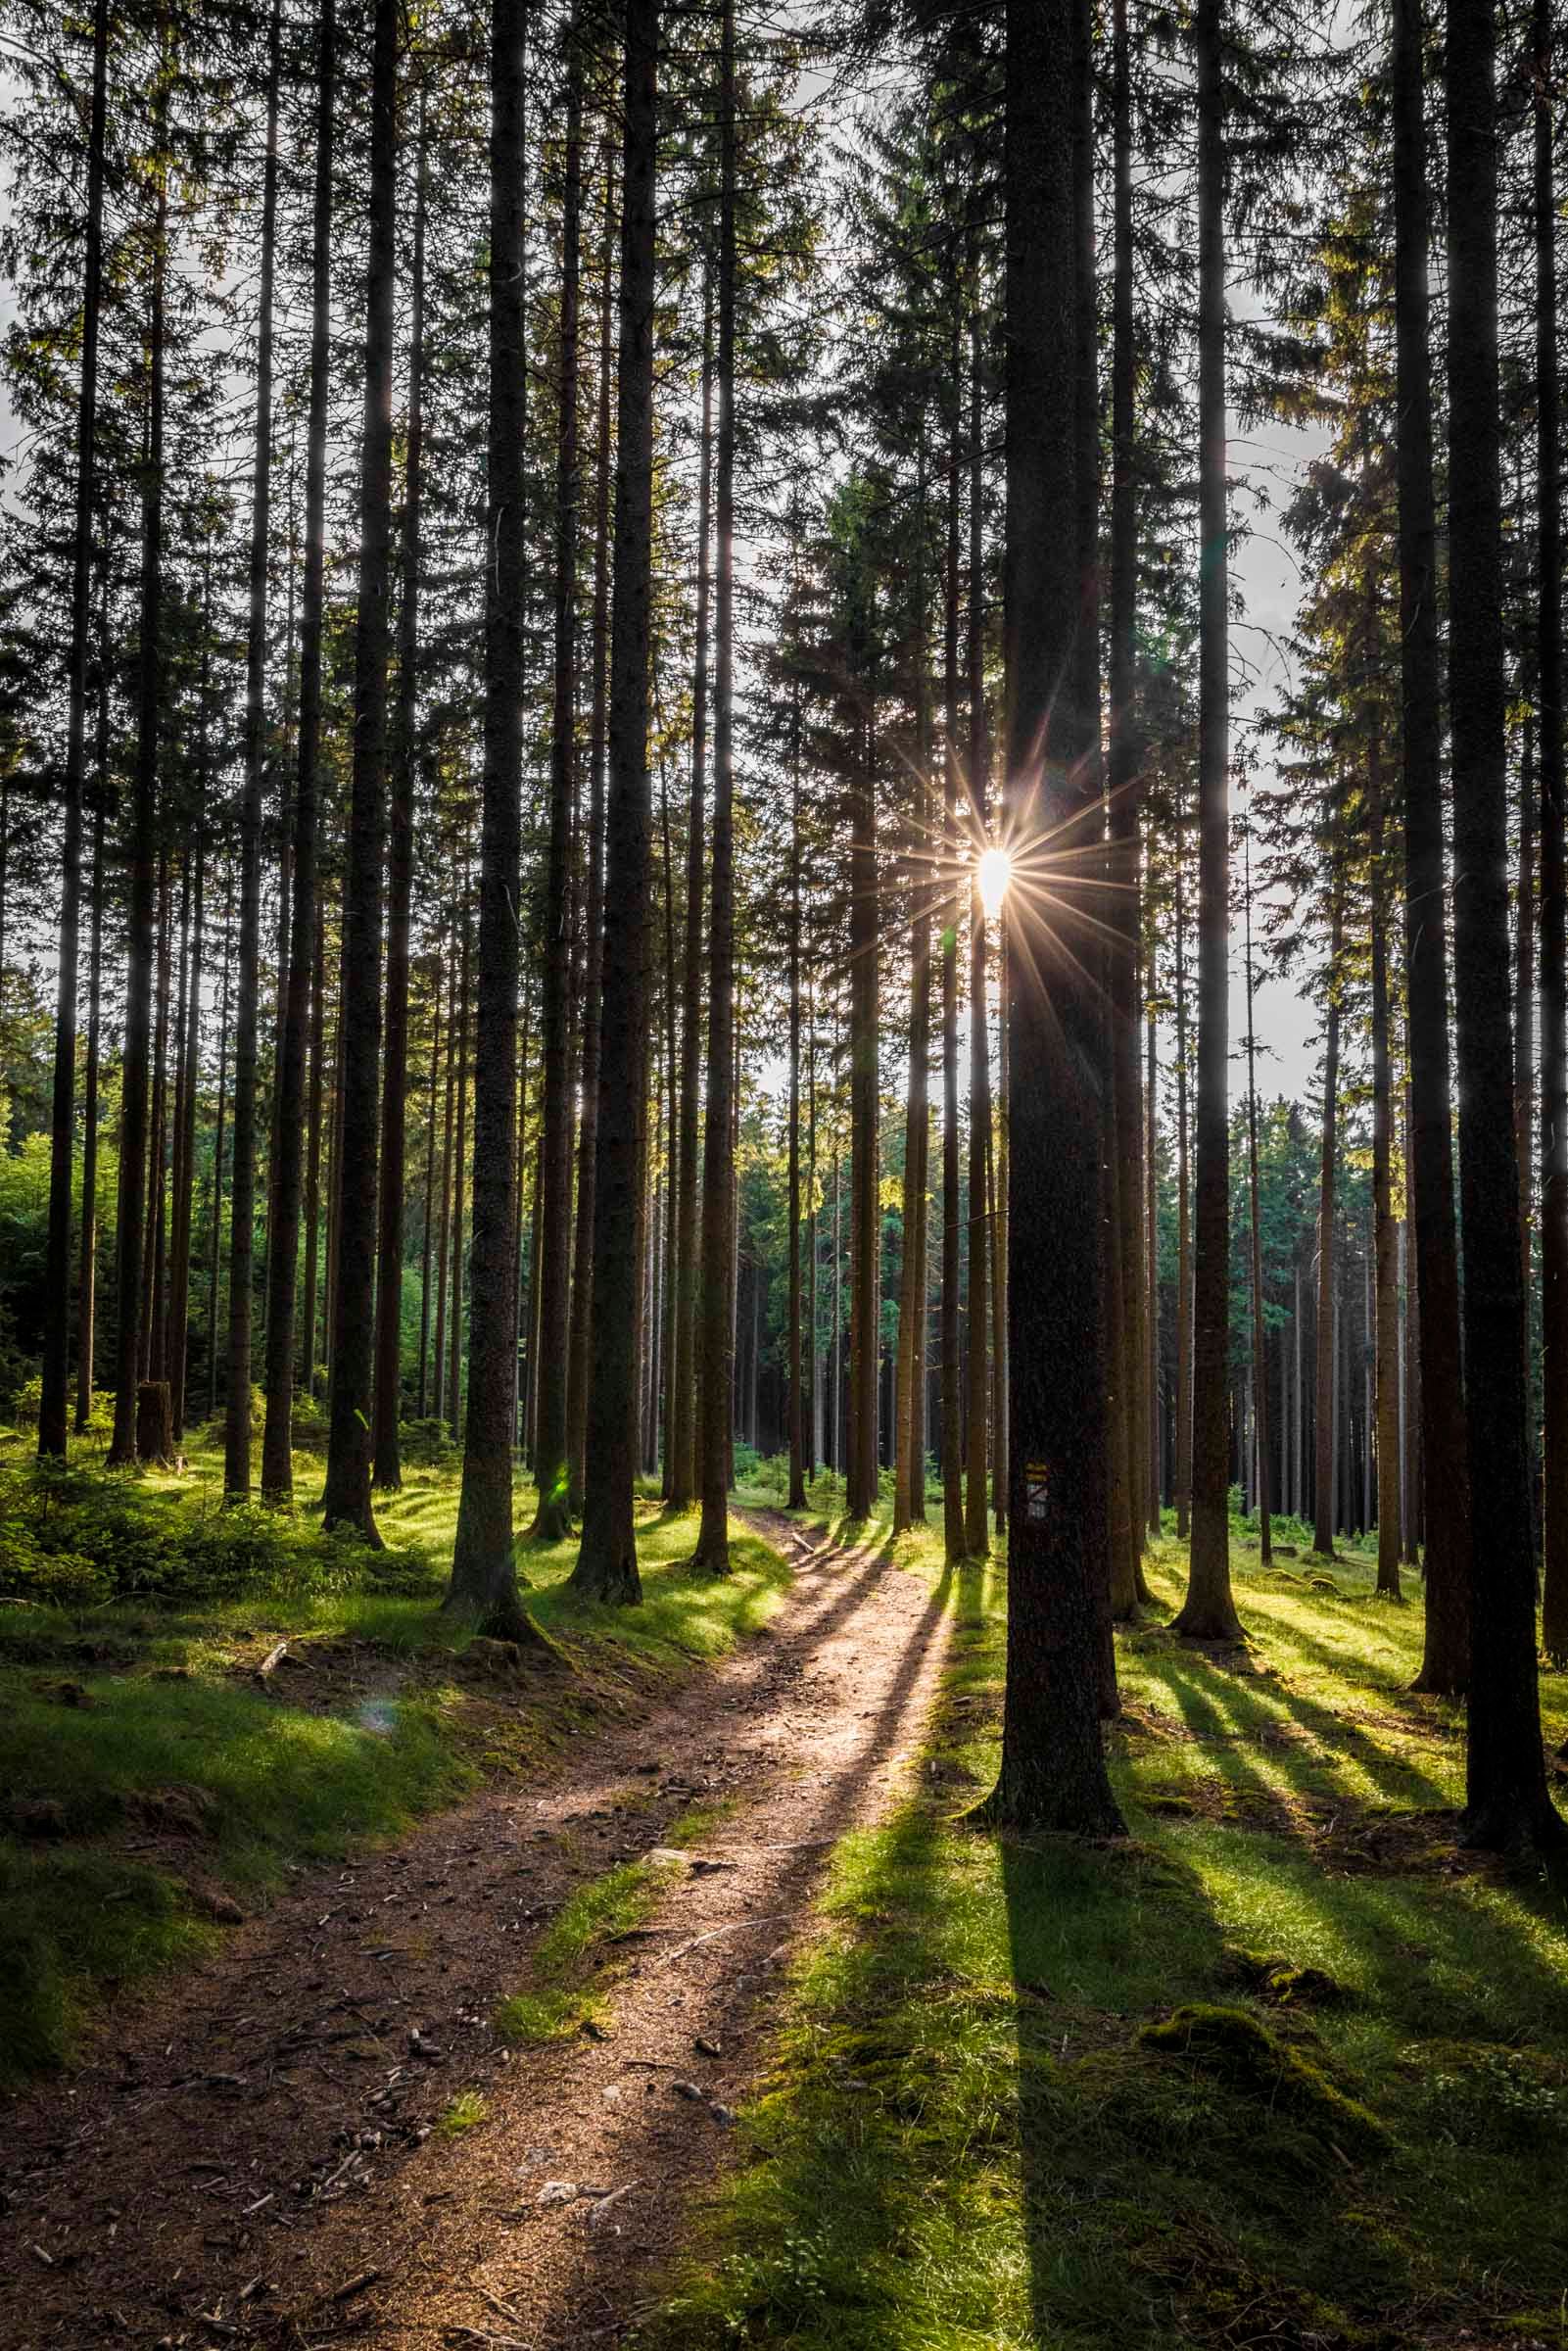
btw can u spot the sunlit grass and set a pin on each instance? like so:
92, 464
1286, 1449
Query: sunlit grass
963, 2139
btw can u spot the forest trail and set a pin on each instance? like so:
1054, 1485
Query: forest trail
264, 2158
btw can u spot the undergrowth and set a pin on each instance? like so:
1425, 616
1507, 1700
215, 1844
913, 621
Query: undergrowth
1282, 2067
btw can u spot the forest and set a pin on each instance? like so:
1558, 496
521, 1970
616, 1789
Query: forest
784, 1191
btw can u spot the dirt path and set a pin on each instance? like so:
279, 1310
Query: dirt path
262, 2160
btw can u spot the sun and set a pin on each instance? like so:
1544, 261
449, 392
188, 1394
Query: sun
995, 873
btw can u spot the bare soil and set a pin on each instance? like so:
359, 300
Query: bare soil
259, 2157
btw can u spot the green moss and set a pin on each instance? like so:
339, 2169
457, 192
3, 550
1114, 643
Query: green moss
1237, 2047
466, 2112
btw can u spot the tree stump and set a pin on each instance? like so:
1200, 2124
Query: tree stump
155, 1425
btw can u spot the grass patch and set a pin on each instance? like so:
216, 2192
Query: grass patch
1284, 2067
139, 1714
570, 1959
466, 2112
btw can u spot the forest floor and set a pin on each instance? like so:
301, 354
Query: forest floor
463, 2088
660, 1989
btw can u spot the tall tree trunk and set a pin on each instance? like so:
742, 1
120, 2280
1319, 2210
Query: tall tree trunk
1385, 1241
88, 1293
1264, 1473
797, 1462
1553, 885
216, 1243
312, 1156
952, 1400
553, 1511
1151, 1259
1507, 1805
484, 1572
607, 1564
1325, 1417
443, 1245
577, 1375
134, 1155
976, 1530
387, 1465
1124, 794
685, 1437
1209, 1611
1183, 1406
1445, 1507
179, 1279
277, 1432
715, 1348
347, 1498
865, 1170
52, 1409
459, 1172
909, 1443
1052, 1774
430, 1184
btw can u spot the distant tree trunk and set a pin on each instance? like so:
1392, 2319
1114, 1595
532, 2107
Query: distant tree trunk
1183, 1406
312, 1154
952, 1400
1053, 1773
1000, 1473
976, 1530
89, 1149
215, 1242
814, 1424
484, 1572
387, 1468
553, 1511
1385, 1242
588, 1124
718, 1258
1264, 1473
154, 1254
1209, 1611
909, 1444
347, 1498
430, 1182
1553, 881
797, 1465
1326, 1412
56, 1369
444, 1226
130, 1293
1151, 1102
179, 1281
865, 1171
1524, 1044
277, 1432
686, 1438
1444, 1503
607, 1564
1508, 1804
460, 1172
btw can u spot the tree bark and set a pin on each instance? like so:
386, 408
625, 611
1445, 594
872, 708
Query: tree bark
1052, 1774
1553, 879
282, 1257
1507, 1805
607, 1564
347, 1498
1385, 1242
1260, 1412
134, 1155
577, 1377
1325, 1417
1183, 1404
552, 1510
952, 1400
1209, 1611
484, 1572
56, 1369
977, 1529
387, 1468
1445, 1501
717, 1272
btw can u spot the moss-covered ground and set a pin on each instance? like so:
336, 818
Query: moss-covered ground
1284, 2068
150, 1780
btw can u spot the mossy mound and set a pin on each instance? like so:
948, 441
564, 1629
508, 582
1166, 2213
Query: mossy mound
1229, 2042
1274, 1977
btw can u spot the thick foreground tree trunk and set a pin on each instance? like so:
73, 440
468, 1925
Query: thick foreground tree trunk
1507, 1805
1052, 1774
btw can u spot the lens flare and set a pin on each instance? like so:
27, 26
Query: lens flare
995, 873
